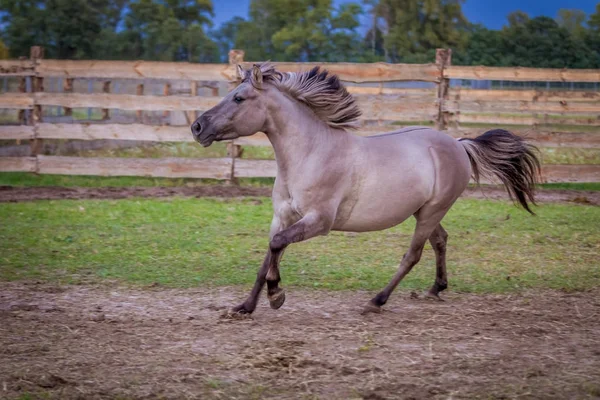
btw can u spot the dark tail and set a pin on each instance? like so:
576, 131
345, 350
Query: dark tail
503, 155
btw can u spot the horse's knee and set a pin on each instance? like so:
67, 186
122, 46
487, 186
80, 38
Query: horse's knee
278, 242
412, 258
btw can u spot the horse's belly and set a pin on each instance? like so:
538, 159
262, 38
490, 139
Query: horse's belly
381, 210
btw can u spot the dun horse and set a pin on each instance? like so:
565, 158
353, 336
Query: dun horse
329, 179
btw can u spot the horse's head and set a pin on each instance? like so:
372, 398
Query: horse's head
243, 112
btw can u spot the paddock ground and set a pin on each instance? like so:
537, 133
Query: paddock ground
103, 341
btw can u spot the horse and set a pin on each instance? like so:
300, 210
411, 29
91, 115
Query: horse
331, 179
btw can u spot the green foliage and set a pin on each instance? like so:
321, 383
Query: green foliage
417, 27
168, 30
493, 246
296, 30
3, 51
532, 42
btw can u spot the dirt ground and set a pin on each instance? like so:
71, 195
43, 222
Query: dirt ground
90, 342
15, 194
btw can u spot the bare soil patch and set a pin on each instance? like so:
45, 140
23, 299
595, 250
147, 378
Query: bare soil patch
116, 342
16, 194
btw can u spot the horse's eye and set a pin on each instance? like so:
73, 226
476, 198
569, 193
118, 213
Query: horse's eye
238, 99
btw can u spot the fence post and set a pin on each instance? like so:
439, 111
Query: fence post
106, 111
37, 85
234, 150
443, 58
191, 115
68, 88
140, 92
23, 88
166, 114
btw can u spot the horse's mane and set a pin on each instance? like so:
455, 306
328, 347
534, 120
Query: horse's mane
323, 92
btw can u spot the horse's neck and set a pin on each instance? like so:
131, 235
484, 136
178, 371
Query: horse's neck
298, 136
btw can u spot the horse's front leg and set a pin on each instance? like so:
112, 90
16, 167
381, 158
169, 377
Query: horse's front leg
311, 225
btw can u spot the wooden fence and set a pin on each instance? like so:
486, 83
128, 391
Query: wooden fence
549, 118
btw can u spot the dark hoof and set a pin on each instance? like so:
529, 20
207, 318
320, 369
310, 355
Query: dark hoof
276, 300
432, 295
371, 308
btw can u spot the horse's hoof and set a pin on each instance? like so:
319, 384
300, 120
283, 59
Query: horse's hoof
431, 295
276, 300
371, 308
236, 313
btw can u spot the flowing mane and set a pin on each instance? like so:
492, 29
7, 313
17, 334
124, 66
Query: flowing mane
323, 92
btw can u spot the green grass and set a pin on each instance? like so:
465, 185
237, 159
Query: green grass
24, 179
183, 149
566, 155
593, 186
191, 242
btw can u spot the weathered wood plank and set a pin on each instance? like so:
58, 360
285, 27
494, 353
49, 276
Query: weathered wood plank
402, 92
16, 68
525, 120
17, 164
217, 168
351, 72
586, 140
16, 132
19, 101
374, 108
126, 101
378, 108
571, 173
523, 106
457, 93
255, 168
522, 74
133, 70
363, 72
115, 131
182, 134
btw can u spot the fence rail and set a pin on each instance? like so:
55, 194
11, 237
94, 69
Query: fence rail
544, 117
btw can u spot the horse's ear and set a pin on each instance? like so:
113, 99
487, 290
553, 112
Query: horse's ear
257, 76
240, 72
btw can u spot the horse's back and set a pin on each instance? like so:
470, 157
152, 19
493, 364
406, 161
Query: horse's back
401, 171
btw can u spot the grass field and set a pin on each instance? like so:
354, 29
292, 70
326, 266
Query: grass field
493, 246
29, 179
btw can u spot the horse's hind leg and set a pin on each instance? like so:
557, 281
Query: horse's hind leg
438, 240
427, 221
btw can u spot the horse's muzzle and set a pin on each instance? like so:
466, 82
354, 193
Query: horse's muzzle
200, 134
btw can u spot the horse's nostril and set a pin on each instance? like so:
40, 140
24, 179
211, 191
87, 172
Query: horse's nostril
196, 128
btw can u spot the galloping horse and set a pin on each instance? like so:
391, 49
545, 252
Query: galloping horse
329, 179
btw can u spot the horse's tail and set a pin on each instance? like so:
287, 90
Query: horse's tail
501, 154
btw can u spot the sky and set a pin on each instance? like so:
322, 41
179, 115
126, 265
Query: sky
491, 13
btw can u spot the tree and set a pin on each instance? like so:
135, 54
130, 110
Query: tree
572, 20
541, 42
3, 51
66, 28
169, 30
483, 48
594, 22
592, 39
225, 36
296, 30
517, 18
417, 27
